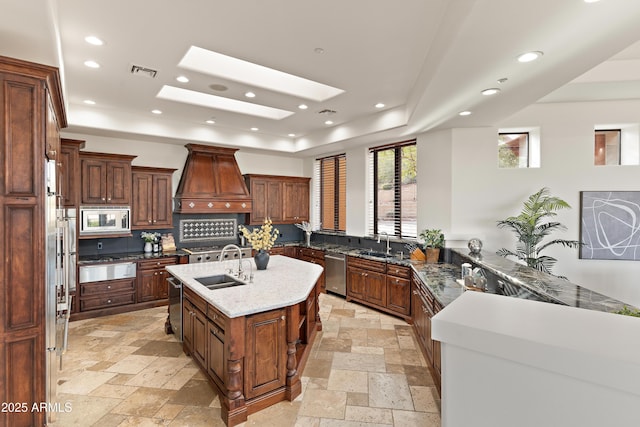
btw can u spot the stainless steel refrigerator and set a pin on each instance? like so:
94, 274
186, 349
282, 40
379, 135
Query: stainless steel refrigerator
60, 280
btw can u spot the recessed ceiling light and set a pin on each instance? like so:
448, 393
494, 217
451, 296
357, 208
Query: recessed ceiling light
503, 80
92, 64
292, 135
217, 64
93, 40
182, 79
530, 56
464, 113
156, 111
208, 100
250, 95
255, 129
591, 1
89, 102
302, 106
328, 122
379, 105
210, 121
491, 91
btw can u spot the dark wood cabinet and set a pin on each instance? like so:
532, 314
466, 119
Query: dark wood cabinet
266, 353
315, 256
106, 179
381, 285
31, 116
69, 172
194, 327
152, 279
106, 294
284, 199
151, 206
423, 308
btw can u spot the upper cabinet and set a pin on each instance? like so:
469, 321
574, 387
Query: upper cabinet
106, 179
284, 199
152, 191
69, 172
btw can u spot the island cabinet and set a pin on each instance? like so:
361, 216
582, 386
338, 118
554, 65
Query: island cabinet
194, 327
314, 256
106, 179
283, 199
151, 280
423, 308
151, 206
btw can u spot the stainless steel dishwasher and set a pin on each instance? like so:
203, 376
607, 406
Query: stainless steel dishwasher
175, 306
336, 273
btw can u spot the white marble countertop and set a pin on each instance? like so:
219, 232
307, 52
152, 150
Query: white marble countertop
594, 346
285, 282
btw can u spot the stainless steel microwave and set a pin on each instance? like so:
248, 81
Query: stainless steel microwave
105, 219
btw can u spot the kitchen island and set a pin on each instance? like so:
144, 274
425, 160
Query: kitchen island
252, 340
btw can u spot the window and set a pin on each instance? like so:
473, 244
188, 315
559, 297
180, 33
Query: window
607, 147
513, 150
394, 175
332, 178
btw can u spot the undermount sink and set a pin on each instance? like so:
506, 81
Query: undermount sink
219, 281
374, 254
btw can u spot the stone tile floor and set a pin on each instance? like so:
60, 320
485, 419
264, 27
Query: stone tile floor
365, 369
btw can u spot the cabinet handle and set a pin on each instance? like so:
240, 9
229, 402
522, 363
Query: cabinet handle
108, 286
415, 292
162, 273
283, 317
154, 221
149, 221
155, 274
108, 301
103, 199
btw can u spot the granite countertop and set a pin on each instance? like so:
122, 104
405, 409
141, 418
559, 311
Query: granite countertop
131, 256
285, 282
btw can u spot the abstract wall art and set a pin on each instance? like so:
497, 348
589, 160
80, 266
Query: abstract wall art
610, 225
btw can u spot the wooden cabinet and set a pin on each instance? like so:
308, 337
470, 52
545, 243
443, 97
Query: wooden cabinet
31, 115
379, 284
106, 179
194, 327
284, 199
423, 308
69, 172
266, 353
151, 279
399, 289
315, 256
107, 294
296, 200
151, 206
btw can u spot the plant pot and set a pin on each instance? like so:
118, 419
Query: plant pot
262, 259
433, 254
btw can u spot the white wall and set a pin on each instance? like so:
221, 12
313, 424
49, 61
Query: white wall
483, 194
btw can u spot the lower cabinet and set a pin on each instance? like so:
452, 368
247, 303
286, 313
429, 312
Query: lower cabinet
103, 295
380, 285
423, 308
314, 256
152, 284
194, 328
265, 353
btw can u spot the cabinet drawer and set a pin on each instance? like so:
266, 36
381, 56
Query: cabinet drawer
112, 286
312, 253
398, 271
157, 263
216, 316
366, 264
106, 301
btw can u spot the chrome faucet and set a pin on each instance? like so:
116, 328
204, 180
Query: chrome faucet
239, 257
388, 247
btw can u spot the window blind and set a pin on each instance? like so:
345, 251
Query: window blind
332, 200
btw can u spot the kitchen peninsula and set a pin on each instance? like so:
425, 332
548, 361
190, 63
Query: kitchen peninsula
252, 340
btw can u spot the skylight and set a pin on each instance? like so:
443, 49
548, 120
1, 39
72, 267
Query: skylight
187, 96
219, 65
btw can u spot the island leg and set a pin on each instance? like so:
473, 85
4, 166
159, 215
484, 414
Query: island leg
294, 387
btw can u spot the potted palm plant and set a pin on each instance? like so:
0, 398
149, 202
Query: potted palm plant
531, 228
433, 241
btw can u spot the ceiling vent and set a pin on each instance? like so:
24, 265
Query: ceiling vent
137, 70
327, 112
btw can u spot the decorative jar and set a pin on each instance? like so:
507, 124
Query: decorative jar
262, 259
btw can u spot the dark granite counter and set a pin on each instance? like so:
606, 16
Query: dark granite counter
135, 256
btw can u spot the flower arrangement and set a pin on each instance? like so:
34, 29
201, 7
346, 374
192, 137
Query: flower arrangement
150, 237
262, 237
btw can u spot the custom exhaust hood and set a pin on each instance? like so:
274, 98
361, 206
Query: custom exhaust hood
211, 182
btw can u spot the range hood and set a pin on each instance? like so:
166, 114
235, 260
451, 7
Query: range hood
211, 182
